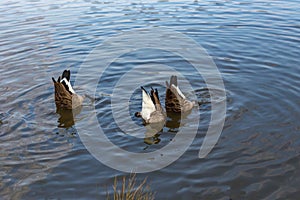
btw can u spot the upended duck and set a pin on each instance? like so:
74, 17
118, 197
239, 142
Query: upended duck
152, 111
65, 96
175, 100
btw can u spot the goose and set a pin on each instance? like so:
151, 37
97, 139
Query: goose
152, 111
175, 100
65, 96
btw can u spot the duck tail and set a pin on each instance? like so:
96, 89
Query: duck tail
154, 96
167, 84
66, 74
173, 80
65, 80
156, 93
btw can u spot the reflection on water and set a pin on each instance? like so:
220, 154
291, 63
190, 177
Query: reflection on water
153, 129
66, 117
152, 139
255, 45
176, 120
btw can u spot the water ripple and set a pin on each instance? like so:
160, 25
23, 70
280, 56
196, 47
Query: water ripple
255, 45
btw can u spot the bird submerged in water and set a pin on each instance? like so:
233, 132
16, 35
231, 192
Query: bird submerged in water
152, 111
175, 100
65, 96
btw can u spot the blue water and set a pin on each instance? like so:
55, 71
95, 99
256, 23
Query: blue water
254, 44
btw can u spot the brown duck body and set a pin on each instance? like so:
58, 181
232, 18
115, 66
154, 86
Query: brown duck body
64, 95
175, 101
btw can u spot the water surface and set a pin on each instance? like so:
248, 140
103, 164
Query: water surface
255, 45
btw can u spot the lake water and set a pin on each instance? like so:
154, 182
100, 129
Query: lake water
254, 44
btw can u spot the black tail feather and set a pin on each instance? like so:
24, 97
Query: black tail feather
167, 84
152, 95
173, 80
156, 93
144, 89
66, 74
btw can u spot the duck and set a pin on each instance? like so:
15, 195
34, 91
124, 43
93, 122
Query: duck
175, 100
152, 111
64, 95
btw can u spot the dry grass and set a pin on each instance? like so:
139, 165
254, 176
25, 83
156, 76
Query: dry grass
130, 190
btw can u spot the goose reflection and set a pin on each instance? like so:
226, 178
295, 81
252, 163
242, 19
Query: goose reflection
173, 123
175, 120
66, 117
153, 132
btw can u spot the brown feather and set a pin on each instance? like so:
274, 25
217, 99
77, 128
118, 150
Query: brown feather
63, 99
173, 101
155, 99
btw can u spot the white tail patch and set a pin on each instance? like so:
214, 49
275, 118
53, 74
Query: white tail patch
147, 106
64, 80
179, 91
